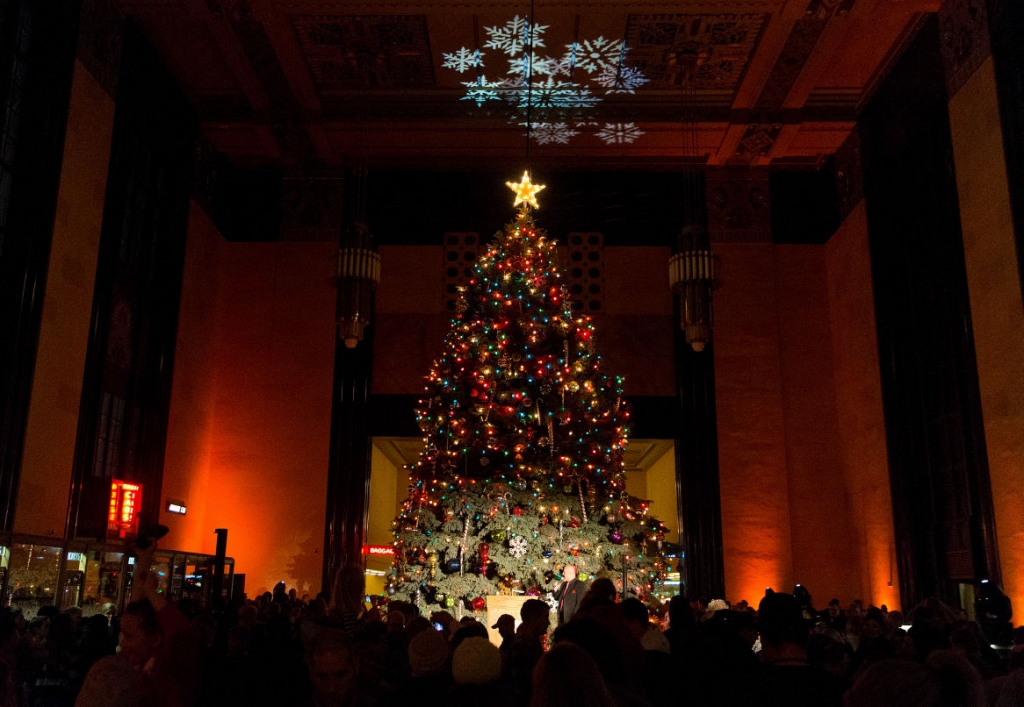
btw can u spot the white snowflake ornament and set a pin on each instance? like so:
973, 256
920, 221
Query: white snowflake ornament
594, 54
516, 34
621, 79
619, 133
463, 60
546, 133
517, 546
547, 91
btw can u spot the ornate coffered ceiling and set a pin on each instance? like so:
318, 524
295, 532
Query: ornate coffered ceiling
310, 82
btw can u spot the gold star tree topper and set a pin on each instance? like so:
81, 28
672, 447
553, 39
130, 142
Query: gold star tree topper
526, 191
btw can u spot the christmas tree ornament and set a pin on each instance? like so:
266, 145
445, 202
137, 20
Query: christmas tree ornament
517, 546
526, 192
479, 604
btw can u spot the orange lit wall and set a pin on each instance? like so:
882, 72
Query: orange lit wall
996, 309
57, 385
819, 508
789, 514
862, 471
252, 407
190, 425
756, 532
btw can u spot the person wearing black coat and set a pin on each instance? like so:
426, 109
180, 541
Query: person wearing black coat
569, 594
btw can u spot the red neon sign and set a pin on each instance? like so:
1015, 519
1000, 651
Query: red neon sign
378, 550
125, 501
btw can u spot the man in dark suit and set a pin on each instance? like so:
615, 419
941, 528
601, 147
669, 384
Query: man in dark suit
569, 594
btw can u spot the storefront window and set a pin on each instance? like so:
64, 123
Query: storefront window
177, 577
32, 580
103, 573
196, 572
74, 579
162, 565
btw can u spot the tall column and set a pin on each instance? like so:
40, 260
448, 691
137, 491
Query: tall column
698, 498
37, 53
938, 460
986, 110
697, 488
348, 476
1005, 24
129, 363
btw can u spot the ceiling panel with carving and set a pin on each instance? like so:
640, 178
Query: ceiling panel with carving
454, 82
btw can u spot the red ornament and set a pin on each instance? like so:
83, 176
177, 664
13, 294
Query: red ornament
517, 511
479, 604
484, 550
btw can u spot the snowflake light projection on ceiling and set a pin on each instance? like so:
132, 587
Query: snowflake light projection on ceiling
551, 94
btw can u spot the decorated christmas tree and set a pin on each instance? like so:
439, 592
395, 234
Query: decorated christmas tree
521, 470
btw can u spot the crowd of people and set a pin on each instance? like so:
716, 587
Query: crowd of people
592, 648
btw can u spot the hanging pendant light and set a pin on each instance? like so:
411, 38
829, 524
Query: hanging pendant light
357, 278
358, 266
693, 268
693, 274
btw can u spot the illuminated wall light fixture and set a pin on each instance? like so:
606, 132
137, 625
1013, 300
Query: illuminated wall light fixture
177, 507
358, 275
358, 271
693, 274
